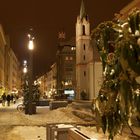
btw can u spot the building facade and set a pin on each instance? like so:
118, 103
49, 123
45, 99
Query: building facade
6, 65
66, 67
50, 81
2, 51
10, 72
14, 73
123, 14
41, 82
88, 69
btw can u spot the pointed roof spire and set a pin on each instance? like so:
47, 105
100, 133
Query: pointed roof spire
82, 10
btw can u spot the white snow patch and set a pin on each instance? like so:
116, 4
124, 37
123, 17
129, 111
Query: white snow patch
27, 133
18, 126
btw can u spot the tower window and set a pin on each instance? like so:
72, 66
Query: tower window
84, 73
84, 57
84, 46
84, 30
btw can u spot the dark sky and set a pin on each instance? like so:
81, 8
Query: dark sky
47, 18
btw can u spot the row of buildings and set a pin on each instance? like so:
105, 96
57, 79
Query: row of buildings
62, 75
78, 67
10, 72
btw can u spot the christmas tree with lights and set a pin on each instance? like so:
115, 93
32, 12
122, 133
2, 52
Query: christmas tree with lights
118, 101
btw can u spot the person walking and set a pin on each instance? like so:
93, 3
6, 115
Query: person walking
11, 98
3, 99
14, 99
8, 98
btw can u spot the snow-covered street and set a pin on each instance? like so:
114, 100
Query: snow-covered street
22, 132
15, 125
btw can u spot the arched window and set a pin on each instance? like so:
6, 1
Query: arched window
84, 33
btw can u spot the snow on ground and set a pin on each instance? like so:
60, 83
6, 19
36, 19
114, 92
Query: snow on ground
92, 133
61, 115
22, 133
43, 116
15, 125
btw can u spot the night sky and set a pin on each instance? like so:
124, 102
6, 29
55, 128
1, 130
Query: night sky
47, 18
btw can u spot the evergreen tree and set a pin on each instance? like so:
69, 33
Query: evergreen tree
35, 91
118, 44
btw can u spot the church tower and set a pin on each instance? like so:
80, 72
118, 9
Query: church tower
84, 55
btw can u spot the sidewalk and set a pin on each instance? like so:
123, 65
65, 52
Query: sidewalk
15, 125
12, 105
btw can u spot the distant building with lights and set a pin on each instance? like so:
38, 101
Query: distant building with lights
2, 51
88, 64
61, 78
66, 67
50, 81
10, 72
41, 83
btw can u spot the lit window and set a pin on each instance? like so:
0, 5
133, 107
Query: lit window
66, 58
73, 48
71, 58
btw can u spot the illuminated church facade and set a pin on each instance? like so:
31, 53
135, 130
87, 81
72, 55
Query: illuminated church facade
88, 64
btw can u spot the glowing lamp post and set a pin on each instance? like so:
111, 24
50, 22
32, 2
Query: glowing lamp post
31, 44
24, 66
30, 108
25, 70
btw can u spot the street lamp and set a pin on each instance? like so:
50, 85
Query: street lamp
31, 44
24, 66
30, 107
25, 70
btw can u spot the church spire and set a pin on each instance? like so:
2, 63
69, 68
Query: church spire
82, 10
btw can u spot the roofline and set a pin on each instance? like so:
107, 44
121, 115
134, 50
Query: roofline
129, 6
2, 34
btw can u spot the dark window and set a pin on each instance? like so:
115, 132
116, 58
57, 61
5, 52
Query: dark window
84, 57
84, 46
68, 69
84, 30
84, 73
